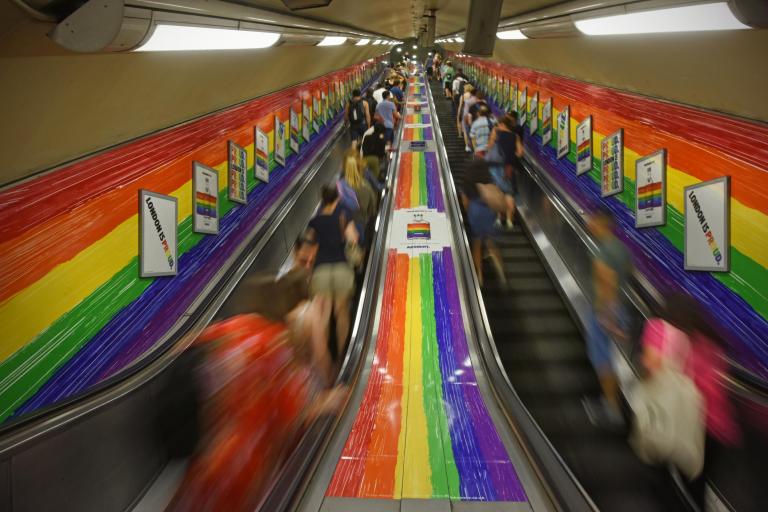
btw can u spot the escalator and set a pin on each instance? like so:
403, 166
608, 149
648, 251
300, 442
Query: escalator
543, 353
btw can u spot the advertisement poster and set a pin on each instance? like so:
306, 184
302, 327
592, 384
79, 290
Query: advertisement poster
707, 230
533, 121
261, 165
294, 130
237, 177
505, 95
584, 146
612, 162
522, 108
157, 234
205, 200
546, 122
316, 113
280, 133
513, 97
306, 119
563, 127
651, 190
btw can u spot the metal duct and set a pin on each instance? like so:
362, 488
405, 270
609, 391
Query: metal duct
480, 37
750, 12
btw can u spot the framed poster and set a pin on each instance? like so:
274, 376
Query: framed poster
280, 133
707, 225
261, 164
546, 122
316, 113
505, 96
513, 98
522, 109
306, 118
237, 177
651, 190
584, 146
205, 199
294, 130
158, 224
533, 118
563, 127
612, 163
324, 106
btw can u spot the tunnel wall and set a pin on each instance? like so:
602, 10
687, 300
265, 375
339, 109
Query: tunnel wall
701, 146
73, 305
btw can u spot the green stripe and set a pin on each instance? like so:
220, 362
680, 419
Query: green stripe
445, 475
27, 370
423, 180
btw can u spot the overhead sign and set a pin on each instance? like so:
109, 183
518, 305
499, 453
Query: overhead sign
651, 190
612, 163
707, 219
563, 137
205, 199
157, 234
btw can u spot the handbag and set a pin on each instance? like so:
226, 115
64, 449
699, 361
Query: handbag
492, 196
669, 425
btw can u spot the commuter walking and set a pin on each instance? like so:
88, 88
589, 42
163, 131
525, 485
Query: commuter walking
374, 150
371, 101
611, 267
378, 94
480, 132
457, 89
464, 119
448, 75
365, 199
357, 115
505, 148
387, 114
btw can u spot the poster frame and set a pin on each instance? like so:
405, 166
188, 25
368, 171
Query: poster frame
293, 128
546, 137
563, 151
257, 172
198, 166
522, 109
726, 212
586, 120
638, 164
603, 193
306, 132
143, 272
230, 146
533, 121
280, 155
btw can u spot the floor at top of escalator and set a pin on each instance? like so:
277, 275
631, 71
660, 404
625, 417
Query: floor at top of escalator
544, 356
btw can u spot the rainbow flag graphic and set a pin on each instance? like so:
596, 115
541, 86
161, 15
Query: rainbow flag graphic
419, 230
417, 119
206, 204
649, 196
418, 133
584, 150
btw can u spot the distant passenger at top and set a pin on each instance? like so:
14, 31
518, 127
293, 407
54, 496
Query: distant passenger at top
448, 74
357, 115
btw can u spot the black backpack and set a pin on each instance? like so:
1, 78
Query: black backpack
357, 113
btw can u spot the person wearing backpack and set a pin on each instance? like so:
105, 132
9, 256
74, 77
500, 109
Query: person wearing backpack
480, 132
448, 75
505, 148
482, 200
370, 100
672, 424
357, 115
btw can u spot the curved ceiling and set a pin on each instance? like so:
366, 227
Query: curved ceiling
398, 19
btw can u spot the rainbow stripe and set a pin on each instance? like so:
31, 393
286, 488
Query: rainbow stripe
206, 204
649, 196
418, 119
424, 133
81, 311
712, 146
419, 183
419, 230
423, 429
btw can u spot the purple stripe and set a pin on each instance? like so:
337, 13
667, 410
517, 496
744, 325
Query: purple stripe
139, 325
505, 481
433, 182
427, 134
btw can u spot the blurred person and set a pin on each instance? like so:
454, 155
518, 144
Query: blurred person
397, 93
379, 92
429, 65
437, 65
482, 199
448, 75
371, 101
374, 150
480, 132
457, 89
366, 199
357, 115
387, 114
465, 103
479, 103
611, 267
682, 340
505, 148
333, 278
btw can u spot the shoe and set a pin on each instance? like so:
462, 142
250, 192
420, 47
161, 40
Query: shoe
497, 223
510, 225
467, 149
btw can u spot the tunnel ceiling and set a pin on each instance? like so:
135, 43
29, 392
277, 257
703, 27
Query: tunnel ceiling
398, 19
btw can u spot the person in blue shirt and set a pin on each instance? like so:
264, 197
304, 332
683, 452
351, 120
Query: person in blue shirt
397, 92
387, 114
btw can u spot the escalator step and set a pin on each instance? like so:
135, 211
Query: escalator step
545, 381
544, 323
545, 350
511, 304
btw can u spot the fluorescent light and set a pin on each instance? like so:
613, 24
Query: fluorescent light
511, 34
414, 47
168, 38
362, 42
689, 18
332, 41
459, 39
399, 49
378, 41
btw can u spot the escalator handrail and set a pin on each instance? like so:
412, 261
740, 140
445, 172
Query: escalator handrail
294, 477
47, 420
562, 485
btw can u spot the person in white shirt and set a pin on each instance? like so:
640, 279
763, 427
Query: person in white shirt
377, 94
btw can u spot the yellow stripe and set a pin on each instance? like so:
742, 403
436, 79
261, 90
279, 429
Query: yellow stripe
405, 398
749, 227
417, 481
36, 307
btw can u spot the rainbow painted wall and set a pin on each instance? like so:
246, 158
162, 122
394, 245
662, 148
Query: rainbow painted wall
71, 301
701, 146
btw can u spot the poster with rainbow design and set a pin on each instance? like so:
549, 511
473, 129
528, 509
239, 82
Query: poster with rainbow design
205, 197
584, 146
281, 130
546, 123
522, 107
651, 190
306, 120
418, 230
707, 225
237, 169
158, 234
563, 135
612, 163
261, 167
293, 129
533, 122
317, 112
